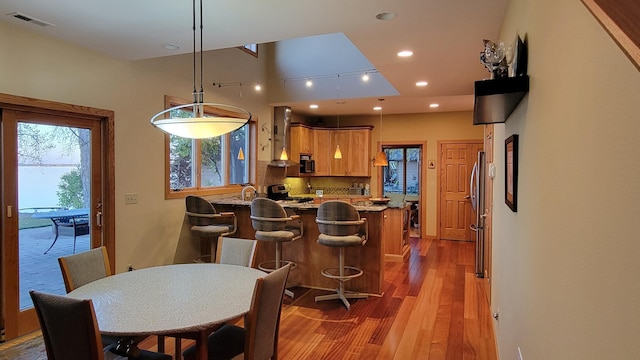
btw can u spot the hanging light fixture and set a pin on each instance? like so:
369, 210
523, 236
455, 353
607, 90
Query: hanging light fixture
381, 157
338, 154
199, 126
240, 154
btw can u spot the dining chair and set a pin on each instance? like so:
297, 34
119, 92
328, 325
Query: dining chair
83, 268
235, 251
341, 226
208, 224
258, 340
70, 330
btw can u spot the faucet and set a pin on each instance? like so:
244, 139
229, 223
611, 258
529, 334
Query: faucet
245, 189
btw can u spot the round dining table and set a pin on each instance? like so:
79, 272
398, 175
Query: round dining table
183, 300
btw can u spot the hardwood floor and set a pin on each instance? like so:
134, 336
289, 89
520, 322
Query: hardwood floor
433, 307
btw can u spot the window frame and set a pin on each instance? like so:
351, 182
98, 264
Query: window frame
246, 48
251, 155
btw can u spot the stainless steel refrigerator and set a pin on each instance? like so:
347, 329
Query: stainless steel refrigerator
476, 189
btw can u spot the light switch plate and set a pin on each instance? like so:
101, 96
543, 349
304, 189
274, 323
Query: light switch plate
130, 198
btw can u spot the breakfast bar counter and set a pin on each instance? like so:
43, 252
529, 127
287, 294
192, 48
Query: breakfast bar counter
312, 257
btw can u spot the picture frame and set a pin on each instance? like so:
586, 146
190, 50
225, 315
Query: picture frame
511, 172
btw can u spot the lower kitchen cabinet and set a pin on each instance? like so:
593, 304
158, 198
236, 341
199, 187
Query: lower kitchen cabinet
396, 234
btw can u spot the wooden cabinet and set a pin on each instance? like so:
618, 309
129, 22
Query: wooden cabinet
301, 141
322, 152
320, 144
355, 145
396, 234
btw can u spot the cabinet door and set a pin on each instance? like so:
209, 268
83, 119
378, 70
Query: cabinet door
321, 151
306, 141
342, 138
360, 155
296, 136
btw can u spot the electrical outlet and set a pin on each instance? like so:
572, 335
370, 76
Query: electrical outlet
130, 198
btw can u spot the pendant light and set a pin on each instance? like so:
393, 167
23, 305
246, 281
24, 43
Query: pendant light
381, 157
199, 126
240, 154
338, 154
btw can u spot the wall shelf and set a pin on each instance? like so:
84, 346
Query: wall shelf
496, 99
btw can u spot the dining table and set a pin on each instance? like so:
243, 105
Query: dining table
180, 300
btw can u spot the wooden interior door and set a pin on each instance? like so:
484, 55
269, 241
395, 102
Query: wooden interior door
456, 213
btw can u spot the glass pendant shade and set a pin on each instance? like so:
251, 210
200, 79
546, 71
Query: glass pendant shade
338, 153
380, 159
283, 154
199, 127
240, 154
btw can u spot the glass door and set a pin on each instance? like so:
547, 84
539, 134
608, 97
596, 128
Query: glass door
51, 184
402, 179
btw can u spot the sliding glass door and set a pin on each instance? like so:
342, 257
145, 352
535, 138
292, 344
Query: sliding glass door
51, 176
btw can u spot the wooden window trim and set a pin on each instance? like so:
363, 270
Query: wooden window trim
171, 101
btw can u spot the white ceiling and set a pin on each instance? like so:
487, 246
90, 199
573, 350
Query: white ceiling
445, 36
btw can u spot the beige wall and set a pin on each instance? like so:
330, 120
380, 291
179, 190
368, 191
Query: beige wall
566, 271
146, 233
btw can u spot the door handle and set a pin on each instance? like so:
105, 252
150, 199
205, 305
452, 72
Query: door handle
99, 219
468, 197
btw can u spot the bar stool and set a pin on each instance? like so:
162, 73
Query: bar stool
209, 225
273, 224
340, 226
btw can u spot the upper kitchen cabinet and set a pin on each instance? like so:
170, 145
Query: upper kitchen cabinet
301, 141
322, 151
355, 145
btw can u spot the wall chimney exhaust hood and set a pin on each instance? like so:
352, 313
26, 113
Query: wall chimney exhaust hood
282, 137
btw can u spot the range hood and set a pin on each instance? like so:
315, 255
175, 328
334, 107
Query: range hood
281, 137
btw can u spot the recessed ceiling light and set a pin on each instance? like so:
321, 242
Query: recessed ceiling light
171, 46
405, 53
422, 83
433, 106
386, 15
313, 106
377, 108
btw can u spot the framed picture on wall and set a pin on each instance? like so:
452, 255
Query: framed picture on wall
511, 172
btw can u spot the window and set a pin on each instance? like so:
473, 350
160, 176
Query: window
403, 173
250, 49
208, 166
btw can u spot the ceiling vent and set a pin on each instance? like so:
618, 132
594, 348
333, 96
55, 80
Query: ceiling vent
30, 19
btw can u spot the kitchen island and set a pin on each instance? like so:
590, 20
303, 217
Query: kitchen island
312, 257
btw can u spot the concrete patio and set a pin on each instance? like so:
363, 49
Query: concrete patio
40, 271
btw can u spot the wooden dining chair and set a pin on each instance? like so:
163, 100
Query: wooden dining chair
258, 339
70, 330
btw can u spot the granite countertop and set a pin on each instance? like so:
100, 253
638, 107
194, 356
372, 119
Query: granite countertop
232, 200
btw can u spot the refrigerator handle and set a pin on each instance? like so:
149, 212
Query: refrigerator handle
472, 189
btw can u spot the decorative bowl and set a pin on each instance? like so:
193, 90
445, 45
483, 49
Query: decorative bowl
379, 201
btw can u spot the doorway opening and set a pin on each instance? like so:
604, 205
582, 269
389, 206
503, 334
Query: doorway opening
402, 180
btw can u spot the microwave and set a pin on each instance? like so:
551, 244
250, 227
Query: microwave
307, 166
